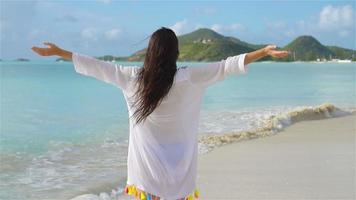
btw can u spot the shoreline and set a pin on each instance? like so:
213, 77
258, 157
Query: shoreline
274, 126
307, 160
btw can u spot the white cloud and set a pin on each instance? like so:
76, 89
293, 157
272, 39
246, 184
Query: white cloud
185, 26
330, 23
333, 18
228, 29
217, 28
89, 33
113, 34
180, 27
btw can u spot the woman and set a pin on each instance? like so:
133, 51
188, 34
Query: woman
163, 105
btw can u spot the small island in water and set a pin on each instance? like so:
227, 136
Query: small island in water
22, 60
61, 60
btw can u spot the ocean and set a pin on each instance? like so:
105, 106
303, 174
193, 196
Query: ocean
64, 134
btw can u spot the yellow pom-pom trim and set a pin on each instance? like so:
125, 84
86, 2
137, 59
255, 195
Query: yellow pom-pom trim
132, 190
143, 196
196, 193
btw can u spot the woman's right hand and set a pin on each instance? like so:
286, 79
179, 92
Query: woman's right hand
52, 50
271, 51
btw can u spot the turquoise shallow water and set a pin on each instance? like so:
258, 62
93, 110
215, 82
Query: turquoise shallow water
60, 129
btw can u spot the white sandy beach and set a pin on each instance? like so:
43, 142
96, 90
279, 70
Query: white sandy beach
313, 159
309, 160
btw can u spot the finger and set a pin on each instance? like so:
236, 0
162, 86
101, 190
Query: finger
40, 51
35, 49
285, 52
48, 44
282, 54
272, 46
278, 54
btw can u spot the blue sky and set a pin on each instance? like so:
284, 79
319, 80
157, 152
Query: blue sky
100, 27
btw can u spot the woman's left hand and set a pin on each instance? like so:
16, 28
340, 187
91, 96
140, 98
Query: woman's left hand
51, 50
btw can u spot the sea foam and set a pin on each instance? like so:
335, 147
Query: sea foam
273, 125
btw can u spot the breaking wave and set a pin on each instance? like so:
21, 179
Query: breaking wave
273, 124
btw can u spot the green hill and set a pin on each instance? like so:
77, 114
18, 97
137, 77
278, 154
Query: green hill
307, 48
112, 58
205, 45
342, 53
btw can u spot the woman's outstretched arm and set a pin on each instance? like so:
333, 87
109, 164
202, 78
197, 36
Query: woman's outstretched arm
53, 50
266, 51
108, 72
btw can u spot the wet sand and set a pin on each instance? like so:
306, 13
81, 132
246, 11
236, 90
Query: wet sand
312, 159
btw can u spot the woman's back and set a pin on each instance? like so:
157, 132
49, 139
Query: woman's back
163, 149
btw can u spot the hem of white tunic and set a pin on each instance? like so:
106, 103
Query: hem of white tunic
162, 197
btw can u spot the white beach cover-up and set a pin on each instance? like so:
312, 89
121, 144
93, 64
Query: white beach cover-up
163, 150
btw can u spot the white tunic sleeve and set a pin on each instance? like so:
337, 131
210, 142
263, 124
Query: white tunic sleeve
112, 73
206, 75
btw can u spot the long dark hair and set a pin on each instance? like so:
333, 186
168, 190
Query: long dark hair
156, 76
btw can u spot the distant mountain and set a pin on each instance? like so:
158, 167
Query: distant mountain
307, 48
207, 45
342, 53
112, 58
138, 56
